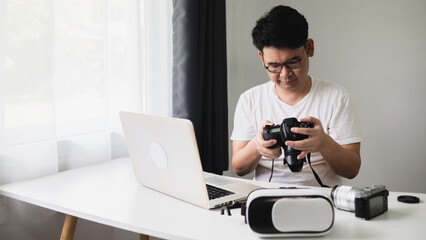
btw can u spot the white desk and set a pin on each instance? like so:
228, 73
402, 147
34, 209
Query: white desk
109, 194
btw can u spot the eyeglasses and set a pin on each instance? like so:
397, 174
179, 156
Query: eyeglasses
290, 64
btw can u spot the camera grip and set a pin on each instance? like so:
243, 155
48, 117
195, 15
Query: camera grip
269, 135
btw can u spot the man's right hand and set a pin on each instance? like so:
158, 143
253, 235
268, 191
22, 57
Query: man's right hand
262, 146
246, 154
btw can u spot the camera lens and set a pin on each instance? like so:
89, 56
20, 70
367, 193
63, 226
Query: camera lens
294, 164
290, 157
344, 197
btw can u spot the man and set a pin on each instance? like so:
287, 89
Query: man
281, 37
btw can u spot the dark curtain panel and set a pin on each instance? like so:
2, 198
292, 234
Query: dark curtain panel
200, 76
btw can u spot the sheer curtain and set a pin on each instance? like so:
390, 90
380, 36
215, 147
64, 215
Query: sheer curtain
66, 69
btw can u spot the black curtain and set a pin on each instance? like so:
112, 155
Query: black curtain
200, 76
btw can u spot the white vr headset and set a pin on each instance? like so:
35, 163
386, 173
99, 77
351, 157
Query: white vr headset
290, 212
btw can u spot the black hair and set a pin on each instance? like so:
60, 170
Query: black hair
282, 27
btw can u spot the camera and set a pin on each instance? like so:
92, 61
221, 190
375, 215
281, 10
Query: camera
282, 133
367, 202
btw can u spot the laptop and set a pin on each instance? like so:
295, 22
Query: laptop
165, 158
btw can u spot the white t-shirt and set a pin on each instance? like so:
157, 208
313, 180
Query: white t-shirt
326, 101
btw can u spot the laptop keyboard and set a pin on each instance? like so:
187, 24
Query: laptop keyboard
215, 192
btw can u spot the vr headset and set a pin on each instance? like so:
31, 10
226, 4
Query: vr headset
289, 212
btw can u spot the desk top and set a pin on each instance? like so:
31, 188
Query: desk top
108, 193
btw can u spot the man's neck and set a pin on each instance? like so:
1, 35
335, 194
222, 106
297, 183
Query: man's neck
293, 96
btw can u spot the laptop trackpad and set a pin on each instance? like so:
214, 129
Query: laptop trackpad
220, 181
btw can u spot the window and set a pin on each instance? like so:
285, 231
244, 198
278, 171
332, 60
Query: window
67, 68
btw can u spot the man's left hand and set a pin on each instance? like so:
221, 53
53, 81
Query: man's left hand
316, 142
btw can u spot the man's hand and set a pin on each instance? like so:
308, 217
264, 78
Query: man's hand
246, 154
316, 142
344, 160
262, 145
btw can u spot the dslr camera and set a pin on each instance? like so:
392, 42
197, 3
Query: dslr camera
367, 202
282, 133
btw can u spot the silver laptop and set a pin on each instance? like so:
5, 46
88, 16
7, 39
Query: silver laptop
165, 158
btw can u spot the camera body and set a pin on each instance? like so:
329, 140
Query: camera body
367, 202
282, 133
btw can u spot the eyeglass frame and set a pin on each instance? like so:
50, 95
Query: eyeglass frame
298, 61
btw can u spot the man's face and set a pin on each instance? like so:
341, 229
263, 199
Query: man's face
294, 64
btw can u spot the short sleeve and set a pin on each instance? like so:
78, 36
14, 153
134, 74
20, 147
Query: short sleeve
244, 129
344, 127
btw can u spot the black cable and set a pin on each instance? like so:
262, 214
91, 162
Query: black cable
241, 205
272, 169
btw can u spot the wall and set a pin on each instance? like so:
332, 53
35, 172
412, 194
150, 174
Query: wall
376, 50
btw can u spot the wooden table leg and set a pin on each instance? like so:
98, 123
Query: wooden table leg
69, 227
143, 237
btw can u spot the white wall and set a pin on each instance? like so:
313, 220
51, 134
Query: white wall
377, 51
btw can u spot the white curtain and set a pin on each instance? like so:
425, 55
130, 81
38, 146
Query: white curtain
67, 67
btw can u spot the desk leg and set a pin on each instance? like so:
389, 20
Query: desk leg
143, 237
69, 227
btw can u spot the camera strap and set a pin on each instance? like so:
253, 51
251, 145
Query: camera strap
313, 171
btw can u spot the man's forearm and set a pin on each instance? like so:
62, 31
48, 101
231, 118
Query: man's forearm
245, 158
344, 160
